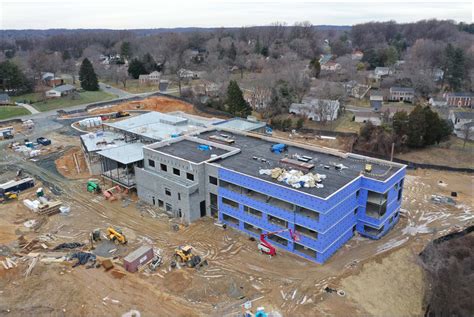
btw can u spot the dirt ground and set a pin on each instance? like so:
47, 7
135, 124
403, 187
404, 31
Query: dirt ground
378, 277
341, 143
72, 164
451, 153
161, 104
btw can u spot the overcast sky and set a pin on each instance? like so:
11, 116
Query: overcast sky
133, 14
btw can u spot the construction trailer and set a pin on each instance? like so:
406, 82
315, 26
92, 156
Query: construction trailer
190, 177
137, 258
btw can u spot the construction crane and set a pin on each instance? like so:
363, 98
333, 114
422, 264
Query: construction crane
265, 247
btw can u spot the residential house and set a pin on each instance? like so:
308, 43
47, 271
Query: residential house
4, 99
151, 79
437, 102
459, 118
258, 97
459, 99
376, 101
187, 74
206, 88
463, 122
331, 66
438, 74
382, 71
356, 90
366, 116
402, 94
316, 109
324, 59
50, 80
60, 91
357, 55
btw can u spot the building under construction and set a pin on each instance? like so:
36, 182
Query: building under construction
316, 198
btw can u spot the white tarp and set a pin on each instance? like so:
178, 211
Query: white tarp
295, 178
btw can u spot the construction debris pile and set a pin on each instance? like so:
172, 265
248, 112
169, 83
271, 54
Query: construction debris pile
295, 178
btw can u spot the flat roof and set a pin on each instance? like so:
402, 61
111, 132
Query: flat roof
241, 124
255, 146
126, 154
102, 140
189, 150
156, 125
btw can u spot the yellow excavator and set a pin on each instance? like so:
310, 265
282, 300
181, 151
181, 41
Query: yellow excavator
184, 254
116, 235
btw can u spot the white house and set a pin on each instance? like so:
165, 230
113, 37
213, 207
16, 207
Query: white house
463, 122
187, 74
60, 91
151, 78
366, 116
331, 66
382, 71
316, 109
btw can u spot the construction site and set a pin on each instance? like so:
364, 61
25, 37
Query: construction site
172, 213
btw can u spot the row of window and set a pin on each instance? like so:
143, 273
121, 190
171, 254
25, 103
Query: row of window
176, 171
274, 238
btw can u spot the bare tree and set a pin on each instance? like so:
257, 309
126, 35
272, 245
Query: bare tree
466, 131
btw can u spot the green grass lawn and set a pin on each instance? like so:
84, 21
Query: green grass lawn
133, 86
12, 111
85, 97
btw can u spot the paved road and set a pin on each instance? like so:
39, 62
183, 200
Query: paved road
115, 91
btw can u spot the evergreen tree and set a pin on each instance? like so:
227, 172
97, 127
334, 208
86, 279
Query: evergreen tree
264, 51
315, 67
126, 50
232, 53
258, 47
136, 68
400, 123
416, 128
87, 76
149, 63
236, 103
454, 67
12, 78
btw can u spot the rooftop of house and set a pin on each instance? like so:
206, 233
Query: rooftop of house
64, 88
249, 153
366, 114
402, 89
4, 97
465, 115
459, 94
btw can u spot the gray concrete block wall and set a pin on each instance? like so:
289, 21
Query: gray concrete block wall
186, 195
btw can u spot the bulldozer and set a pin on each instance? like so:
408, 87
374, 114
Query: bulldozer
7, 196
184, 254
116, 235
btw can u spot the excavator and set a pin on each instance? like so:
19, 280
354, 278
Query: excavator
265, 247
116, 235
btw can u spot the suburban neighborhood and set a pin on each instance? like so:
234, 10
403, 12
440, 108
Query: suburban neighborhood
237, 168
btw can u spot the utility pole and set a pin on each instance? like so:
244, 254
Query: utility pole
393, 149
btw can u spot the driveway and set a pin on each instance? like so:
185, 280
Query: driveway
28, 107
